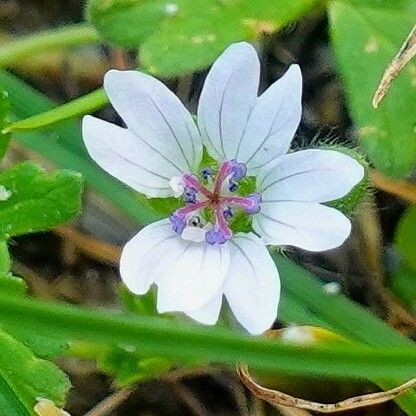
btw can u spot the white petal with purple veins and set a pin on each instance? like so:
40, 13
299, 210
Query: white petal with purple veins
252, 286
273, 122
306, 225
141, 255
228, 95
124, 156
190, 274
156, 116
309, 175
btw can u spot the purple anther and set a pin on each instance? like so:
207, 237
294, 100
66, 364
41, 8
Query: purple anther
232, 186
253, 203
207, 173
190, 195
238, 170
178, 222
215, 237
228, 213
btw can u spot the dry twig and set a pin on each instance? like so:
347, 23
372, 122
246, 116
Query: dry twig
277, 398
403, 57
402, 189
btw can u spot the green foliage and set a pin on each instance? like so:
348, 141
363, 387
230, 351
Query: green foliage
405, 237
4, 119
379, 29
129, 366
38, 200
24, 378
185, 35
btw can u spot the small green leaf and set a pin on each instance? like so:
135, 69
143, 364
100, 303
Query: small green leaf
38, 200
129, 367
24, 378
162, 207
379, 28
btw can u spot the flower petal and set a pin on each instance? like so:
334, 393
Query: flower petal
229, 93
309, 175
157, 116
142, 254
209, 313
273, 121
252, 286
124, 156
190, 274
307, 225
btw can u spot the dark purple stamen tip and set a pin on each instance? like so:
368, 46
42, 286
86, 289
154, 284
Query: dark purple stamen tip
207, 173
232, 186
178, 222
215, 237
228, 213
190, 195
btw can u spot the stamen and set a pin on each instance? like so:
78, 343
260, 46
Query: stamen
224, 171
178, 222
232, 186
250, 203
190, 195
207, 173
238, 170
178, 218
193, 182
228, 213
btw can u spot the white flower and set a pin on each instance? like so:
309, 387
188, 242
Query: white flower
194, 257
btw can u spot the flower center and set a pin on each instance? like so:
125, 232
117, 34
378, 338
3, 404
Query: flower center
210, 203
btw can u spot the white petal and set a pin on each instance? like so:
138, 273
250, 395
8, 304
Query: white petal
190, 274
307, 225
156, 115
142, 253
124, 156
252, 286
273, 121
209, 313
229, 93
310, 175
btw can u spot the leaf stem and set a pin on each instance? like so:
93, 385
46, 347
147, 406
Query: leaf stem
70, 35
191, 342
83, 105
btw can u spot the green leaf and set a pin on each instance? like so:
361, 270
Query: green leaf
379, 28
127, 22
193, 38
403, 283
4, 119
187, 342
405, 237
184, 35
38, 200
24, 378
